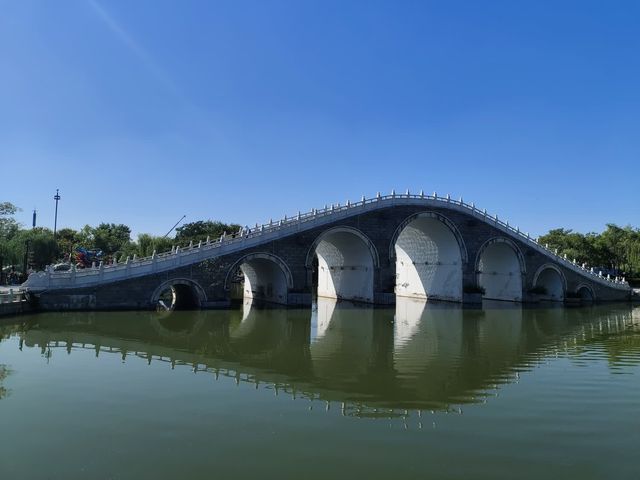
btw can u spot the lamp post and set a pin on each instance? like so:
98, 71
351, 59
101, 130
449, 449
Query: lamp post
56, 197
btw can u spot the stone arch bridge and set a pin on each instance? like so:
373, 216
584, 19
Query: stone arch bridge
418, 246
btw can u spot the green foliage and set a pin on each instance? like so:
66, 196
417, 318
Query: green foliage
148, 243
8, 225
40, 242
109, 237
68, 239
200, 230
616, 248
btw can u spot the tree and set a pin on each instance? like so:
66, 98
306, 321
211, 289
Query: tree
68, 239
200, 230
110, 238
8, 225
41, 243
147, 244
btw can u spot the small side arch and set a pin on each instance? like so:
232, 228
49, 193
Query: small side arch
266, 277
508, 241
187, 293
346, 263
434, 215
552, 279
259, 255
500, 268
312, 250
585, 292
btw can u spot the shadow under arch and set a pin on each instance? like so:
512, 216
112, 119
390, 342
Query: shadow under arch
429, 254
586, 293
500, 268
186, 294
552, 280
347, 259
266, 277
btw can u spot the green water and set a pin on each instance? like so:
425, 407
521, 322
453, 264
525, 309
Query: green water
336, 391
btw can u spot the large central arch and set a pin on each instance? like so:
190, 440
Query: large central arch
266, 277
500, 266
346, 262
429, 253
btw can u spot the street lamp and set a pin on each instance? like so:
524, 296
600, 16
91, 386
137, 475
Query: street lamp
56, 197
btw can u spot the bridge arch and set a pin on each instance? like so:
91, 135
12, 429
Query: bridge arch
500, 267
585, 293
429, 254
346, 262
266, 277
178, 294
552, 280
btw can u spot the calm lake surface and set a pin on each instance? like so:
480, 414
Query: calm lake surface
336, 391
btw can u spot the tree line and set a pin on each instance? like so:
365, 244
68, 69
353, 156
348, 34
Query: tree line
616, 250
113, 239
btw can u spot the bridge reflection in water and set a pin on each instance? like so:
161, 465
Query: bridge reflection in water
371, 361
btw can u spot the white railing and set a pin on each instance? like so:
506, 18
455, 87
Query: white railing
251, 236
11, 296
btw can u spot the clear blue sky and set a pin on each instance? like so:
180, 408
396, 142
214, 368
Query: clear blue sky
141, 111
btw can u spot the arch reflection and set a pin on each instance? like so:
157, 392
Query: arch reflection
416, 355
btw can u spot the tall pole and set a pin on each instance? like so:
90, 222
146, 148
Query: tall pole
55, 222
167, 234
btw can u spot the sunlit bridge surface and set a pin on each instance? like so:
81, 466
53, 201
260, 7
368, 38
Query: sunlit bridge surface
336, 391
